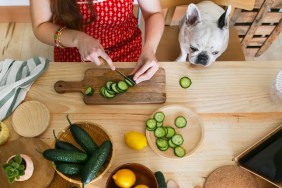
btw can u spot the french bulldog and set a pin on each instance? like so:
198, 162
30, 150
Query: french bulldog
204, 33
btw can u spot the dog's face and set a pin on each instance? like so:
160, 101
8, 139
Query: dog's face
205, 41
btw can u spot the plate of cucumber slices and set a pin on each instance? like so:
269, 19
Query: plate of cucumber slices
174, 131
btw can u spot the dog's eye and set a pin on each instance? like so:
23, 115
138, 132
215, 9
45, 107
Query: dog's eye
194, 49
215, 53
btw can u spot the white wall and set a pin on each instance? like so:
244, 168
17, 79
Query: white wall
21, 2
13, 2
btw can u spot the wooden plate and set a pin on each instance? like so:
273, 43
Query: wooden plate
31, 119
193, 132
43, 169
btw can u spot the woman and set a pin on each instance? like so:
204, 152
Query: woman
84, 30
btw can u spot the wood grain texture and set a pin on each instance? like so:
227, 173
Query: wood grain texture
151, 91
230, 97
43, 170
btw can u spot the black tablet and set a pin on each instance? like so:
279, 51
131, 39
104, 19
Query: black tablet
266, 158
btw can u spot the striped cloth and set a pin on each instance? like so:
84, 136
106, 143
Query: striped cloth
16, 77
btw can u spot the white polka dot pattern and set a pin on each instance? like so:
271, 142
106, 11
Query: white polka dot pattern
115, 27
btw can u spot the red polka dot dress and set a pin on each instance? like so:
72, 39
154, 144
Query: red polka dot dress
115, 27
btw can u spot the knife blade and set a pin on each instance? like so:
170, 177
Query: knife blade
129, 78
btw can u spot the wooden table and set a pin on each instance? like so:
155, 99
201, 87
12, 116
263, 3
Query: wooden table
232, 99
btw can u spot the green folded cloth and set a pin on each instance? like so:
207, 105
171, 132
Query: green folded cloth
16, 77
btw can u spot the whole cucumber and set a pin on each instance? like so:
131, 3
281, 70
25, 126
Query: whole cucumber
65, 156
82, 138
69, 168
160, 179
95, 163
64, 145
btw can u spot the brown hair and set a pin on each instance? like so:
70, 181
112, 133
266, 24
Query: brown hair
67, 13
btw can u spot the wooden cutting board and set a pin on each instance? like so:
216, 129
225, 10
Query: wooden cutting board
151, 91
43, 171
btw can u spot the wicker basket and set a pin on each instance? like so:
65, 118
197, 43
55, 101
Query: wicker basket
99, 135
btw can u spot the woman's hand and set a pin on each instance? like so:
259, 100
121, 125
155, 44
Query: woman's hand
90, 49
146, 66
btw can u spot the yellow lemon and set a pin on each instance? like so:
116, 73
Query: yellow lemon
124, 178
135, 140
141, 186
4, 133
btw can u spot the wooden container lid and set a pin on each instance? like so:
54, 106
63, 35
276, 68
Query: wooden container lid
230, 176
31, 119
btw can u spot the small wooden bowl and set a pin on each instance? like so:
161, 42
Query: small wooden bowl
193, 133
99, 135
31, 119
143, 175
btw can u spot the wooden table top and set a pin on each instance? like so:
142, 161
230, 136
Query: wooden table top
232, 98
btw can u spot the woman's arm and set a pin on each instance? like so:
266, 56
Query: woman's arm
89, 48
154, 26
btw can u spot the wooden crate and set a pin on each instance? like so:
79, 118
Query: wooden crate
258, 28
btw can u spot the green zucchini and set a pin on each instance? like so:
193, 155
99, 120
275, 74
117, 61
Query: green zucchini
95, 163
64, 145
160, 179
69, 168
65, 156
82, 138
185, 82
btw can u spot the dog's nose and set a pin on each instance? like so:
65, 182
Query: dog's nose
202, 59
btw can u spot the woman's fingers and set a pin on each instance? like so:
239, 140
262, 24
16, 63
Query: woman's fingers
144, 68
147, 74
108, 60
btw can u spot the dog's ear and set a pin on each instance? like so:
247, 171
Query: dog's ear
192, 15
223, 19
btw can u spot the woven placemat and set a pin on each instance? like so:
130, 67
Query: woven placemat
230, 176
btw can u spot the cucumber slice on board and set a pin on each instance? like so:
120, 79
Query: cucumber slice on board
177, 139
179, 151
185, 82
89, 91
160, 132
122, 85
151, 124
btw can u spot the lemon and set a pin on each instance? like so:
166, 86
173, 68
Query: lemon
135, 140
4, 133
141, 186
124, 178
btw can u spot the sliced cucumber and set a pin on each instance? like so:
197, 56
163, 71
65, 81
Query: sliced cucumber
160, 132
180, 122
129, 82
163, 148
159, 116
171, 144
89, 91
179, 151
108, 94
151, 124
108, 85
185, 82
170, 132
114, 88
102, 91
122, 85
161, 143
177, 139
159, 123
